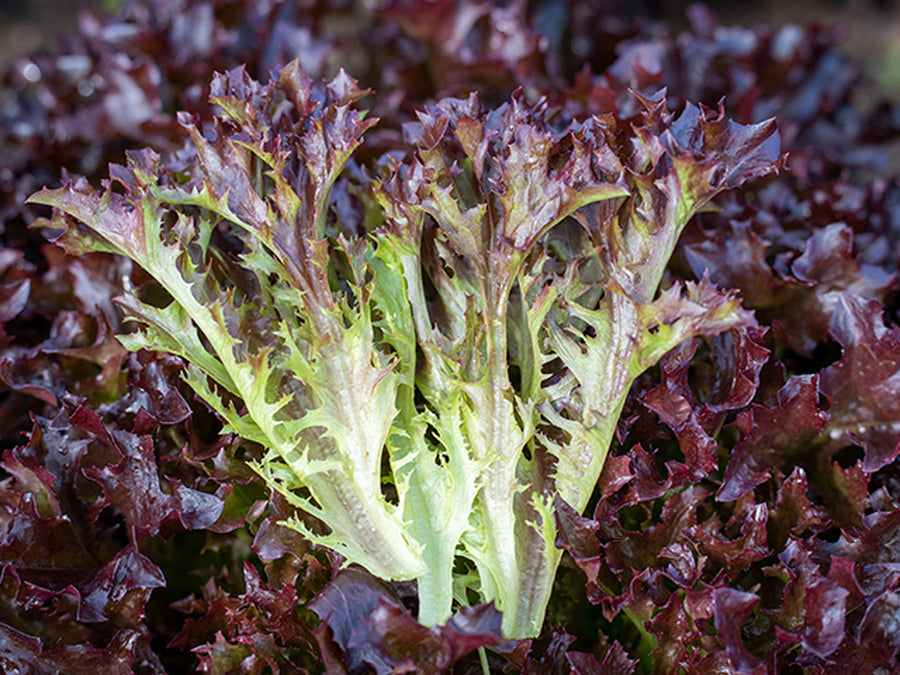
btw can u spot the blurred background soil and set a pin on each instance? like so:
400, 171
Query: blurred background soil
872, 28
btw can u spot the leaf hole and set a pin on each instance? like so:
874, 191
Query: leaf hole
154, 295
832, 535
433, 441
388, 489
633, 517
515, 377
824, 354
169, 220
526, 452
848, 456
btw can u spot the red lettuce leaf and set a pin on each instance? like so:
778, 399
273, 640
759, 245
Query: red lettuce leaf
732, 608
802, 299
20, 652
825, 608
787, 246
363, 618
779, 433
615, 662
261, 629
863, 386
119, 589
133, 483
738, 358
149, 392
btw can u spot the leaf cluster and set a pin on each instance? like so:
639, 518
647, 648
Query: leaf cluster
745, 517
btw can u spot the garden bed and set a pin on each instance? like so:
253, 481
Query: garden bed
611, 261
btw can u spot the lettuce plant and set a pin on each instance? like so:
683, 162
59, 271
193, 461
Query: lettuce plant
435, 380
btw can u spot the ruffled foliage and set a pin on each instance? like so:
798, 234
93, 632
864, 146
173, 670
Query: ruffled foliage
398, 327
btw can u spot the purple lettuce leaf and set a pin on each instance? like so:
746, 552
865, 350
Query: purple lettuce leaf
801, 300
732, 608
778, 434
783, 246
676, 635
825, 608
259, 629
35, 532
552, 655
13, 298
730, 383
578, 537
793, 513
61, 573
136, 473
469, 46
62, 341
552, 659
862, 386
125, 654
148, 61
615, 662
149, 395
62, 538
364, 619
118, 590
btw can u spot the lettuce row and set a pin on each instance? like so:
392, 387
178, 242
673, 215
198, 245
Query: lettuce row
429, 391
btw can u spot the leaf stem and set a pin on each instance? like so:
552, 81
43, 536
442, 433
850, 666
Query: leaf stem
482, 656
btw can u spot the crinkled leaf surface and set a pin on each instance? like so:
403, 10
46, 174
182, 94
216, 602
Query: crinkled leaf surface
863, 385
790, 245
375, 631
